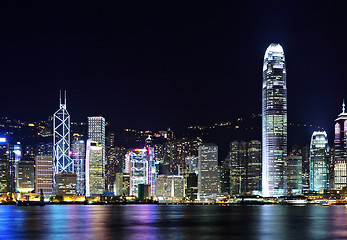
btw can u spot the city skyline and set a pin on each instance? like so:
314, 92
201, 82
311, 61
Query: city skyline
165, 69
159, 120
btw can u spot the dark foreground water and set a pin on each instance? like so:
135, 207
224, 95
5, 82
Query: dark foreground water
173, 222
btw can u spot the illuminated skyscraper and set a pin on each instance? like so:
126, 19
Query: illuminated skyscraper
319, 154
274, 122
170, 186
306, 168
138, 166
44, 168
78, 156
62, 162
66, 184
4, 166
44, 174
294, 171
238, 153
96, 132
208, 179
25, 176
152, 173
340, 150
254, 166
95, 182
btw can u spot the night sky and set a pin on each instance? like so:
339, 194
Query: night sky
153, 65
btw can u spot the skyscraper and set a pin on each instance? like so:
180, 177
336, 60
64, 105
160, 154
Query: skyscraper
274, 122
225, 171
340, 150
208, 179
62, 162
78, 156
44, 168
254, 166
111, 161
170, 186
25, 176
44, 174
4, 166
305, 168
138, 166
96, 132
294, 171
95, 181
319, 155
238, 152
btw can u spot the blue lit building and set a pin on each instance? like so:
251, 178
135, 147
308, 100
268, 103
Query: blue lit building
319, 154
78, 156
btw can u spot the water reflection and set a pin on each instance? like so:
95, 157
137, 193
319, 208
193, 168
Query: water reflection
11, 219
173, 222
305, 222
337, 222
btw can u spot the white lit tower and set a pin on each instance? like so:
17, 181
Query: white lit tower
96, 132
274, 122
138, 168
319, 154
62, 163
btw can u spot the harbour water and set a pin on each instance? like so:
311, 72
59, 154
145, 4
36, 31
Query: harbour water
65, 222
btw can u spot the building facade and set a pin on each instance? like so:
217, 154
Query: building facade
171, 186
238, 179
208, 179
95, 181
294, 171
319, 159
305, 168
340, 175
66, 184
138, 168
254, 167
78, 156
25, 176
274, 122
96, 133
62, 163
4, 166
44, 174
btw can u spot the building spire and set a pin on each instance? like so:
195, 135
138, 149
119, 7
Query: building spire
343, 106
59, 97
65, 99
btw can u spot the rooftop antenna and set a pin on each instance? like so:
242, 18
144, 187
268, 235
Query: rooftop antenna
59, 97
343, 106
65, 99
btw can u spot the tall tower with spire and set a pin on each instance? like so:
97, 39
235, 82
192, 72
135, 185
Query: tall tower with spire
62, 162
340, 179
274, 122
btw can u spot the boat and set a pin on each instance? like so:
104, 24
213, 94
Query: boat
294, 200
325, 203
30, 203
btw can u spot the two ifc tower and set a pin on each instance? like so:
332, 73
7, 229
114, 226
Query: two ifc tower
274, 122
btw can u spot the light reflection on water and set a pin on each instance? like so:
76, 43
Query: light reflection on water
173, 222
